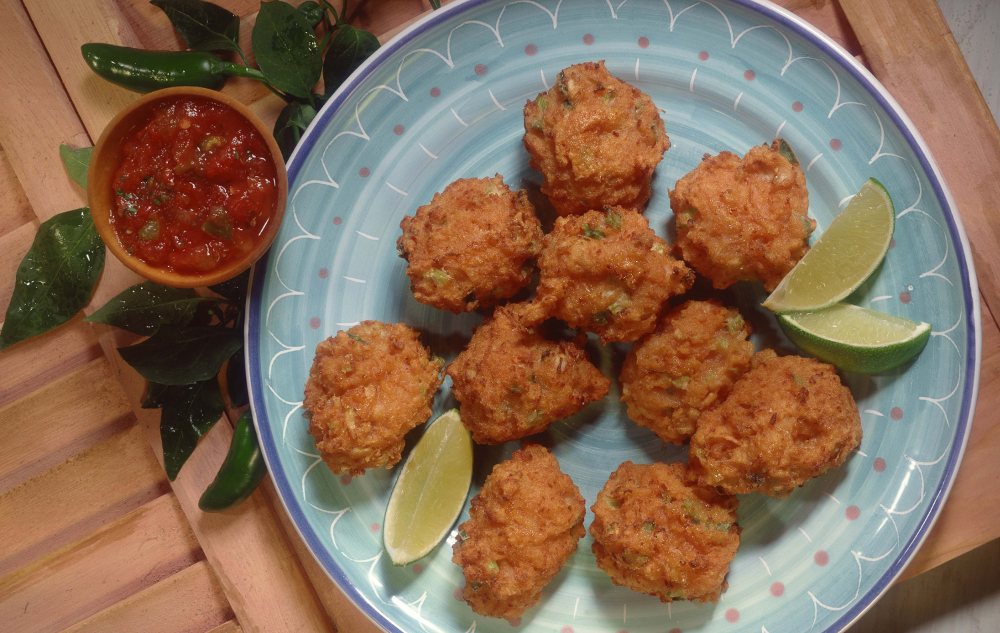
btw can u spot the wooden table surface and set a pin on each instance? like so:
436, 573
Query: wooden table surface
95, 538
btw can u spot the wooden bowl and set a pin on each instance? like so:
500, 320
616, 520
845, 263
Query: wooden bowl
106, 160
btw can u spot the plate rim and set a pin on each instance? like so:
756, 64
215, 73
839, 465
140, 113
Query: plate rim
847, 62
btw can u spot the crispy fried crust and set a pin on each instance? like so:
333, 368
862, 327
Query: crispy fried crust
787, 420
743, 219
596, 139
511, 382
523, 526
698, 351
368, 387
607, 272
656, 533
472, 245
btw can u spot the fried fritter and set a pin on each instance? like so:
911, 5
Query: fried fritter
698, 351
596, 139
473, 245
657, 533
744, 219
512, 382
787, 420
367, 387
523, 525
607, 272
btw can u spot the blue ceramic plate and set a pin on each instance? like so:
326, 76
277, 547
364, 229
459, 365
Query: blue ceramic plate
443, 101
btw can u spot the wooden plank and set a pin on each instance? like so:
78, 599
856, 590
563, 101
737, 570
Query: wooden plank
66, 416
915, 56
229, 627
89, 575
14, 208
190, 601
77, 497
13, 246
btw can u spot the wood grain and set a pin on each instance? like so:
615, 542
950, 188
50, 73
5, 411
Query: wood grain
190, 601
14, 208
103, 568
914, 55
66, 416
13, 246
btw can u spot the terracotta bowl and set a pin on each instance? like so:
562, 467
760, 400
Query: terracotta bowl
107, 158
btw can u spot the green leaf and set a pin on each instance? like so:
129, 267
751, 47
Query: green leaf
182, 355
142, 309
203, 25
189, 411
236, 380
348, 49
234, 289
312, 12
77, 162
55, 278
292, 122
286, 49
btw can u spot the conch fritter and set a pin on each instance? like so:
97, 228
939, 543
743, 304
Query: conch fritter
744, 219
596, 139
659, 534
512, 382
787, 420
367, 387
698, 351
607, 272
523, 525
473, 245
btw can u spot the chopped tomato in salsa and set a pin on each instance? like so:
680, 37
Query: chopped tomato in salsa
195, 188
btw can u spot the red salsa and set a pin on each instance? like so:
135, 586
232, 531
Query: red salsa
195, 188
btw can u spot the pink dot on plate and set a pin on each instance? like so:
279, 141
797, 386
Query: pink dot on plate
323, 273
821, 558
515, 622
531, 50
703, 56
835, 144
878, 464
892, 244
749, 75
314, 323
435, 92
337, 221
375, 527
459, 594
481, 69
398, 129
671, 631
364, 172
732, 615
852, 513
644, 42
896, 413
566, 629
588, 39
905, 297
418, 569
345, 479
797, 106
777, 589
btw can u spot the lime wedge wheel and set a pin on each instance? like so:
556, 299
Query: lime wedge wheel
430, 491
842, 258
856, 339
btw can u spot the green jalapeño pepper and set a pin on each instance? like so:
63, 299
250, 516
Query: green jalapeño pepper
145, 71
240, 473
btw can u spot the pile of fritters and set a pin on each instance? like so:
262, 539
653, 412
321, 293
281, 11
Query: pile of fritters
756, 422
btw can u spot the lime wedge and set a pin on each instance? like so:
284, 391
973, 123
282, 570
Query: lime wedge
845, 255
431, 490
856, 339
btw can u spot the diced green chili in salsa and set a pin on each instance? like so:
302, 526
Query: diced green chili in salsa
195, 188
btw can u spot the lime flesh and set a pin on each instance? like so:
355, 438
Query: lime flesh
842, 258
856, 339
430, 491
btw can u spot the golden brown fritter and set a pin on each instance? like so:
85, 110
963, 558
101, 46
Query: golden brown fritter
744, 219
511, 382
596, 139
367, 387
657, 533
787, 420
471, 246
698, 351
523, 526
607, 272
